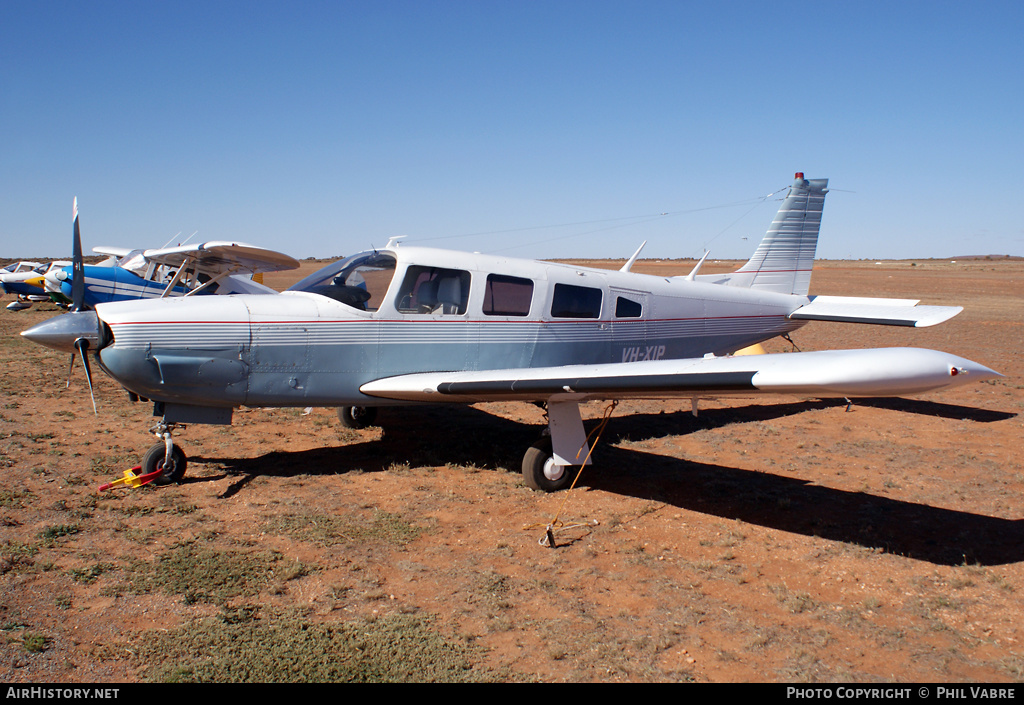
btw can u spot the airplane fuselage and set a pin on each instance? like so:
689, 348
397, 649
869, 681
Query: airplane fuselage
308, 349
108, 284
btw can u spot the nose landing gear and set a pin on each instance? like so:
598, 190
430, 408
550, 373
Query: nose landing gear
165, 456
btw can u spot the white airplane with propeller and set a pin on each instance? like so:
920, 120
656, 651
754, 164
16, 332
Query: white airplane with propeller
408, 325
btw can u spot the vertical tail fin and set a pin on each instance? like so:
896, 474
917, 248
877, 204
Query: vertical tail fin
783, 260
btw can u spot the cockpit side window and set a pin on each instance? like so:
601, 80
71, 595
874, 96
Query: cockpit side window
360, 281
433, 290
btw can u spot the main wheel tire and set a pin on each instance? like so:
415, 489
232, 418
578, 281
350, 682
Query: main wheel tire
540, 471
357, 416
174, 467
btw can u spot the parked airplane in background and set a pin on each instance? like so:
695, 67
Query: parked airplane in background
16, 268
54, 277
406, 325
205, 268
27, 283
14, 272
184, 270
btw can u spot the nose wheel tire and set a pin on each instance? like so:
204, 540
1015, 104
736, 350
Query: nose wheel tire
357, 416
540, 471
173, 467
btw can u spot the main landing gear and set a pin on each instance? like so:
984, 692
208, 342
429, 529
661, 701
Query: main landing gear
357, 417
553, 463
541, 472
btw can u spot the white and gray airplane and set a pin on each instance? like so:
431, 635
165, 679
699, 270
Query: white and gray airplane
403, 325
22, 280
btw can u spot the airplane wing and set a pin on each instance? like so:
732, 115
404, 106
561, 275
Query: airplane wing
223, 255
111, 251
887, 312
828, 373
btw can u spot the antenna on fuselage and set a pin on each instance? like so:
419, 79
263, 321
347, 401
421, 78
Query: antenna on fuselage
693, 273
631, 260
393, 242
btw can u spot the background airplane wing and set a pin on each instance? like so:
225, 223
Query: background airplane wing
111, 251
829, 373
222, 255
888, 312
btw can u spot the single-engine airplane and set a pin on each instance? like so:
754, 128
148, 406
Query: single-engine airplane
183, 270
204, 268
27, 283
403, 325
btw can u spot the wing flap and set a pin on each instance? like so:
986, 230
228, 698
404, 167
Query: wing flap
830, 373
887, 312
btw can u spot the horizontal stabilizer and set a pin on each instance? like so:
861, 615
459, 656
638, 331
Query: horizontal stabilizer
886, 312
827, 373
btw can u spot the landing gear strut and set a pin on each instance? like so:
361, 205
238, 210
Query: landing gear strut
166, 456
552, 463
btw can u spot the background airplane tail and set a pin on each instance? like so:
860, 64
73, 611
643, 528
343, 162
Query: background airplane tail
783, 260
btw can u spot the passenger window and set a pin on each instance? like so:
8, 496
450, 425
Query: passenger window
575, 302
625, 308
434, 290
507, 296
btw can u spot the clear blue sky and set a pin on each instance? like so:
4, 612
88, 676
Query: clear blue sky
324, 128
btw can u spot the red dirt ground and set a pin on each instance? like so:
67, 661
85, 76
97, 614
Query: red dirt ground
768, 539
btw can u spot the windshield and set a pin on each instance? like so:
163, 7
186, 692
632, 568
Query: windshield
360, 281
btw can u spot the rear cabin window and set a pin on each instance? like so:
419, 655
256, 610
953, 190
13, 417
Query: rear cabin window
507, 296
625, 308
575, 302
434, 290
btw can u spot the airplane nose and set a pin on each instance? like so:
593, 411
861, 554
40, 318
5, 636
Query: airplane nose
61, 332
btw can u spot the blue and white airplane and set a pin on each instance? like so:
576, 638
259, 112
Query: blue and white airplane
184, 270
406, 325
205, 268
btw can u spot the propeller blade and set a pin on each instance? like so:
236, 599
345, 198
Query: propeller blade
82, 345
77, 264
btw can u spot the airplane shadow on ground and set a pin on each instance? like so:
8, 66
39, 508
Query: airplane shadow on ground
468, 436
933, 408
